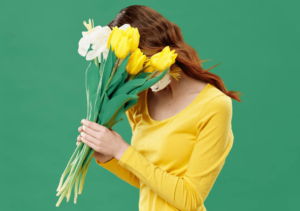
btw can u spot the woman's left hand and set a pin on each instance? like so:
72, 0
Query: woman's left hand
103, 140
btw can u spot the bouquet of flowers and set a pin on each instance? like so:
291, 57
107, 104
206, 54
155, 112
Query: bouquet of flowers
119, 72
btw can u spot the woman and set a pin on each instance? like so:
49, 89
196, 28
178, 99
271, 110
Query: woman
181, 133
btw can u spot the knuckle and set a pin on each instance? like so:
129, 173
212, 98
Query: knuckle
99, 136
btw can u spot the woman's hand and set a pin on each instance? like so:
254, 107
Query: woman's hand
99, 156
105, 142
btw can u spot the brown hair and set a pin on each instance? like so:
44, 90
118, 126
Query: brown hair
156, 32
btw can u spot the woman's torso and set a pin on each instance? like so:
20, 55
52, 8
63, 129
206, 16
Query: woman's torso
167, 143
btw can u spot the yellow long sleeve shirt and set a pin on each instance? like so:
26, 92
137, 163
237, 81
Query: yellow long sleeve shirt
175, 162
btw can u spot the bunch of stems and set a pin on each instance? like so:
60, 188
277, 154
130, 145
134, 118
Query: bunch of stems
78, 164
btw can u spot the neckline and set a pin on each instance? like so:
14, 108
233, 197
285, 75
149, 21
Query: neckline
182, 111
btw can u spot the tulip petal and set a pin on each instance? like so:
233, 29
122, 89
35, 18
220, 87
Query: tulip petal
166, 50
105, 54
83, 45
122, 48
162, 83
150, 69
94, 53
163, 63
124, 26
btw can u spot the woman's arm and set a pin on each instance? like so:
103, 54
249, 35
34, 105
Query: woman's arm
121, 172
213, 143
113, 166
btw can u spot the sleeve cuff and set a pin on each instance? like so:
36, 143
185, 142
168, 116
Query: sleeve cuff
108, 163
128, 154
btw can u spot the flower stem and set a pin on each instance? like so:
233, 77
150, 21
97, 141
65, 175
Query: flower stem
112, 74
145, 68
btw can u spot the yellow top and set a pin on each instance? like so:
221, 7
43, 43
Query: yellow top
175, 162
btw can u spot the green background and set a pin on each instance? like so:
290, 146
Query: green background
43, 100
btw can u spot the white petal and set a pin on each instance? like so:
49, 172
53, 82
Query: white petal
98, 28
162, 83
84, 34
105, 33
94, 47
124, 27
105, 53
98, 39
83, 45
99, 60
94, 53
106, 30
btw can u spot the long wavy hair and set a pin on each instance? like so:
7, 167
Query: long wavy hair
156, 32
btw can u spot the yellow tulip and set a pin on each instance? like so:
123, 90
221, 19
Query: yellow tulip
135, 62
135, 37
150, 69
163, 59
123, 46
114, 38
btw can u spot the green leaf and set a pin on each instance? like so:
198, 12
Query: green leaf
149, 83
108, 67
103, 103
113, 87
96, 105
121, 69
114, 58
92, 107
130, 103
92, 78
130, 85
143, 75
116, 117
115, 122
121, 83
112, 106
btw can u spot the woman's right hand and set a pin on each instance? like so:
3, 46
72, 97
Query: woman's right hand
99, 156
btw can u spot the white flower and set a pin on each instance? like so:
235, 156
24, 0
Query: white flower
98, 37
124, 27
163, 82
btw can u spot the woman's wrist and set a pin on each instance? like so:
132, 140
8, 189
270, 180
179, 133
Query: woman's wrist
109, 160
121, 151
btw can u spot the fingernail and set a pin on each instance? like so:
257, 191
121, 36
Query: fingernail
83, 127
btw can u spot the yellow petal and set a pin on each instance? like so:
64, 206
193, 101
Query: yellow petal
163, 63
132, 60
150, 69
174, 57
111, 35
166, 50
153, 59
116, 38
139, 65
135, 39
122, 48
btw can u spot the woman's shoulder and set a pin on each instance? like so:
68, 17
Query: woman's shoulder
214, 100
